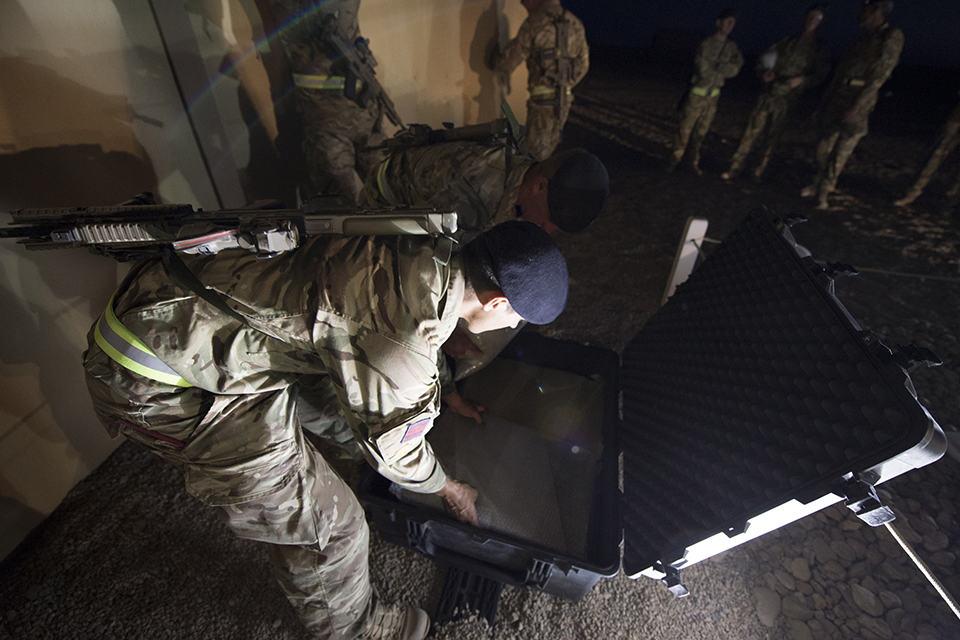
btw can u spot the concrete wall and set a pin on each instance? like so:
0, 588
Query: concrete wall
91, 114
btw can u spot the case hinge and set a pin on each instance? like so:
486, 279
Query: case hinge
861, 498
672, 580
538, 574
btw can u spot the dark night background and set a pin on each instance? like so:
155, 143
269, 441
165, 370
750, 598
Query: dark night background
930, 27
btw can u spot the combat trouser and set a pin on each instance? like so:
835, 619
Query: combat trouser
544, 129
949, 137
837, 141
336, 130
767, 121
695, 120
245, 456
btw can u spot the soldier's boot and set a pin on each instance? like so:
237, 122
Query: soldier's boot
732, 173
393, 623
822, 203
912, 195
811, 189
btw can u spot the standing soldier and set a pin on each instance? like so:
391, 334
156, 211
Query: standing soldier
718, 59
232, 337
852, 95
949, 137
788, 68
553, 43
341, 114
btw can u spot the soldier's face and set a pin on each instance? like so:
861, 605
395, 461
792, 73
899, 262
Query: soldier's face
725, 26
533, 203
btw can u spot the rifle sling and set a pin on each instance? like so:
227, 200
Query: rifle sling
186, 278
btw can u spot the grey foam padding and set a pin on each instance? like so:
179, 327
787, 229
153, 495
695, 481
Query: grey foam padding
534, 460
750, 387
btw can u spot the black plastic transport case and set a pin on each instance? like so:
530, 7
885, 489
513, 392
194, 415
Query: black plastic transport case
749, 400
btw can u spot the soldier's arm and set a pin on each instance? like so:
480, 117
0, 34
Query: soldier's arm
882, 68
730, 66
390, 396
516, 51
704, 61
580, 51
772, 49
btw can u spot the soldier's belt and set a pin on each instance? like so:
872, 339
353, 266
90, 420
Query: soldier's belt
543, 90
305, 81
130, 352
856, 82
703, 93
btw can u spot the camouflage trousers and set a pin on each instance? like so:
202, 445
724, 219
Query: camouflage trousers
335, 132
544, 129
766, 121
838, 139
949, 137
245, 456
695, 120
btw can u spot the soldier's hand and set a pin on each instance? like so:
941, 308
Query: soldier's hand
459, 345
769, 75
466, 408
459, 499
795, 82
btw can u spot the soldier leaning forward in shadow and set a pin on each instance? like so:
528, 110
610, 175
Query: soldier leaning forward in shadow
216, 391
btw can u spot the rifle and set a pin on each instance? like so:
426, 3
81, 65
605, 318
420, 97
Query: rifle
360, 64
139, 229
506, 130
562, 77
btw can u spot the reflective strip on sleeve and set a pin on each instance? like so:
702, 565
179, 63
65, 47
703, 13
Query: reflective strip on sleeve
856, 82
305, 81
386, 193
702, 92
130, 352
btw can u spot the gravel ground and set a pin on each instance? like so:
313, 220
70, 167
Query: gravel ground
130, 555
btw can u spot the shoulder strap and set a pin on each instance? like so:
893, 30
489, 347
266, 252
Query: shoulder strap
186, 278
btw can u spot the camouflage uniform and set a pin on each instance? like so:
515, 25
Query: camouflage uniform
949, 137
335, 128
361, 319
716, 61
538, 35
467, 177
796, 56
856, 83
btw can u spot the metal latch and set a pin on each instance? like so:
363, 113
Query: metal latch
672, 580
912, 356
861, 498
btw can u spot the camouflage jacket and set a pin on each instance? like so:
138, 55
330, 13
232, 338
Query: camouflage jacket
866, 66
539, 32
306, 39
796, 56
369, 313
467, 177
716, 61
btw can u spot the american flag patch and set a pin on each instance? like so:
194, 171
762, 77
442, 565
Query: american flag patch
415, 430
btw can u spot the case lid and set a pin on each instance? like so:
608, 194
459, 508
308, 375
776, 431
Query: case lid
752, 386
